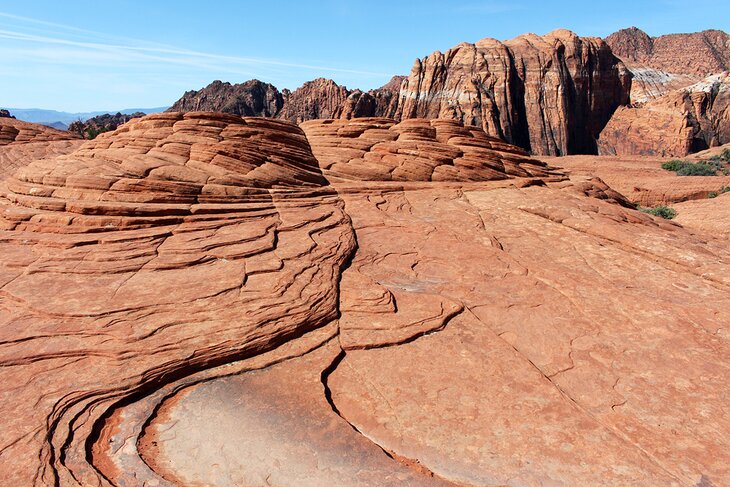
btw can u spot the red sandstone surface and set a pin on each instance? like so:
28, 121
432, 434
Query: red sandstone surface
208, 299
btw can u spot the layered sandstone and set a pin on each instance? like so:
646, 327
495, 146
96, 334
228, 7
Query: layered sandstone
14, 131
676, 124
550, 95
208, 299
379, 149
669, 62
699, 53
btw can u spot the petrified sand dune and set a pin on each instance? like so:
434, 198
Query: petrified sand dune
204, 298
376, 149
14, 131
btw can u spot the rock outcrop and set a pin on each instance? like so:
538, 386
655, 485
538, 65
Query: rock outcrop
550, 95
14, 131
676, 124
252, 98
379, 149
700, 53
203, 298
320, 98
22, 142
670, 62
94, 126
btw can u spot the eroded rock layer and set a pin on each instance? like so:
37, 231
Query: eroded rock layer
208, 299
551, 95
174, 244
376, 149
678, 123
14, 131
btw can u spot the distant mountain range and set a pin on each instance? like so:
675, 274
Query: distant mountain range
60, 120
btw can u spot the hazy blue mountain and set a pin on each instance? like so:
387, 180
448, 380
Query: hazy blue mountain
49, 117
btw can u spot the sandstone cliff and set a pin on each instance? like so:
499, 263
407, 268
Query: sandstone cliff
678, 123
252, 98
669, 62
550, 95
699, 53
319, 98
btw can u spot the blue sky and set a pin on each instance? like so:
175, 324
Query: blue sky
86, 55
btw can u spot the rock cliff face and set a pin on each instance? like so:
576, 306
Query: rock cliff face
700, 53
320, 98
252, 98
670, 62
551, 95
678, 123
679, 94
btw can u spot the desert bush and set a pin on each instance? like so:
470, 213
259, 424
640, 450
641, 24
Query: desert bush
661, 211
708, 167
712, 194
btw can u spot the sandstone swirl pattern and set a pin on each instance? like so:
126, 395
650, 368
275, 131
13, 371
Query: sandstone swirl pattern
175, 244
207, 299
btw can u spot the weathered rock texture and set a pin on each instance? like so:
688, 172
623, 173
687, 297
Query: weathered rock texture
679, 94
252, 98
208, 299
174, 244
551, 95
320, 98
377, 149
23, 142
700, 53
15, 156
641, 179
14, 131
678, 123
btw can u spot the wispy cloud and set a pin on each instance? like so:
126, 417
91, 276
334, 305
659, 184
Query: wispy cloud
143, 51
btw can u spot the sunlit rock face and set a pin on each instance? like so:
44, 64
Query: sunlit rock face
206, 299
549, 94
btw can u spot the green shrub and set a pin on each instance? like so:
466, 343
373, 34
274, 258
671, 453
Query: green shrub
698, 169
673, 165
725, 155
661, 211
712, 194
707, 167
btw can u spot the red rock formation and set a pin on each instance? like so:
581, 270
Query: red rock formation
700, 53
14, 131
379, 149
676, 124
173, 293
550, 95
320, 98
252, 98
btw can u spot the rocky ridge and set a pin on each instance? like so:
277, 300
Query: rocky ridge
676, 124
320, 98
